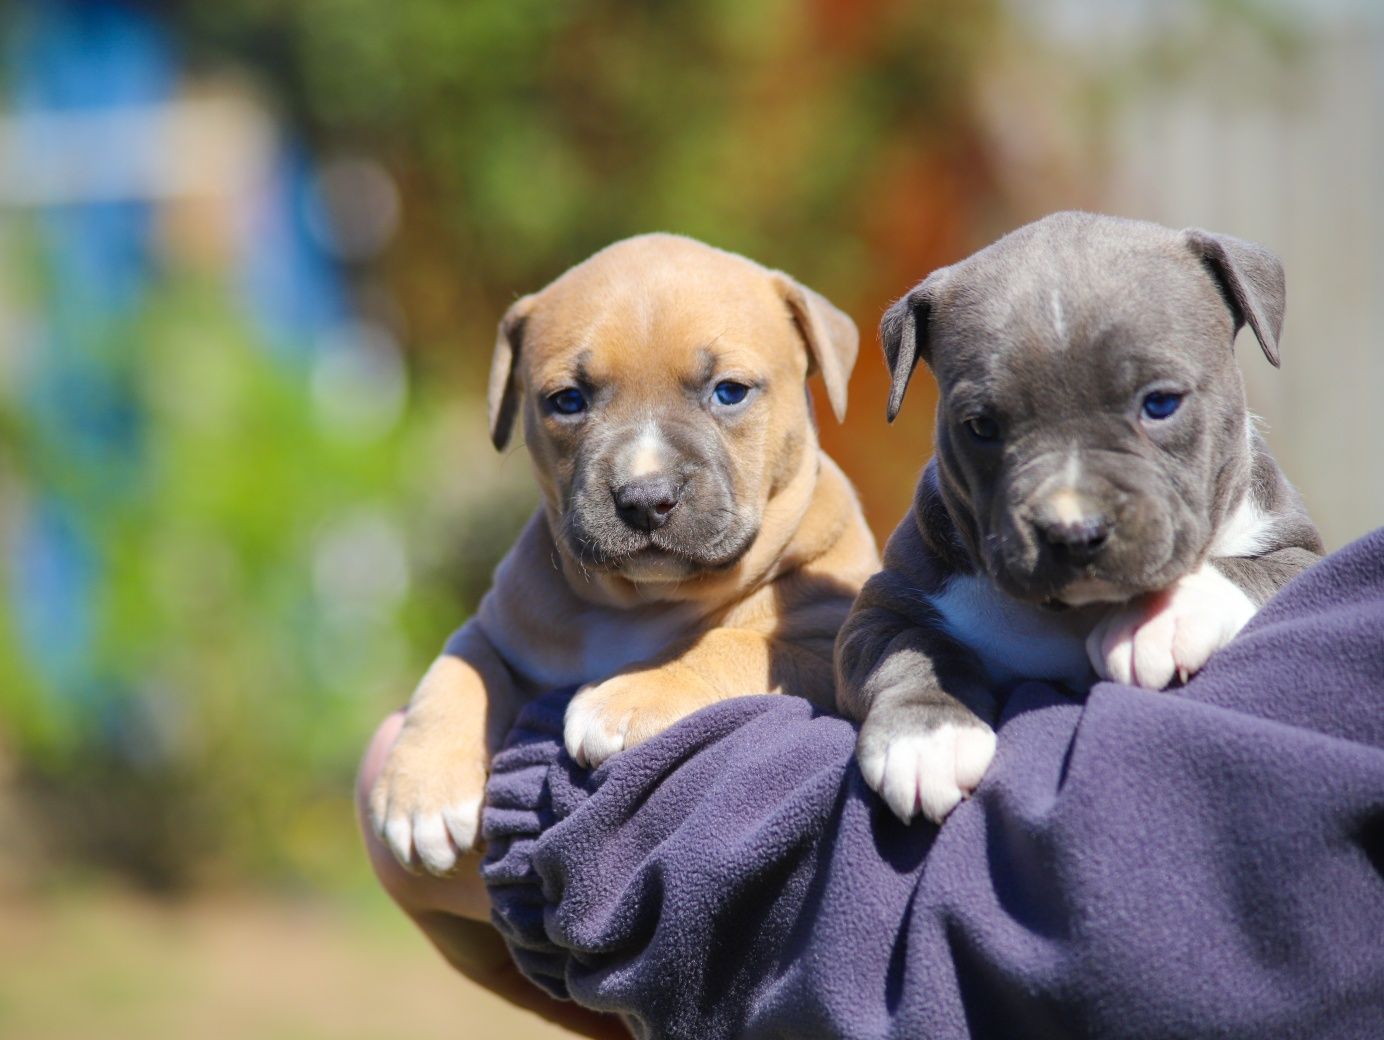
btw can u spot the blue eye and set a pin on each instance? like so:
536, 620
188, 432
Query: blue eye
983, 428
729, 392
1160, 404
568, 402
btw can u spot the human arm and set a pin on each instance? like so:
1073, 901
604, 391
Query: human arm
454, 912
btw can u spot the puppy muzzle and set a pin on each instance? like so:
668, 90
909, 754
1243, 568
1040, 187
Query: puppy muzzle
694, 520
1076, 545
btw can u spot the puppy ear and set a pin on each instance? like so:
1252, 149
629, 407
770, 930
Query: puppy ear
1251, 278
502, 398
903, 331
831, 337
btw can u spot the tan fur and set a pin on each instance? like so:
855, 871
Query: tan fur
648, 651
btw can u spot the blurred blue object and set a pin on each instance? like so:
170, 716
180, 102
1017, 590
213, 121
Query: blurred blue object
96, 266
291, 287
78, 68
79, 56
52, 573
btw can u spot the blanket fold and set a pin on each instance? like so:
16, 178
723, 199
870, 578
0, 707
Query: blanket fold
1205, 862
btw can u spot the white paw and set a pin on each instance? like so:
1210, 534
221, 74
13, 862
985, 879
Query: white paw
605, 718
427, 811
590, 732
1170, 633
436, 838
929, 771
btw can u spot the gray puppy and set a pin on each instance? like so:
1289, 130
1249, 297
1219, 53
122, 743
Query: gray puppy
1099, 505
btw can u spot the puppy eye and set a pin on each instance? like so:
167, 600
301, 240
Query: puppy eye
983, 428
567, 402
729, 392
1160, 404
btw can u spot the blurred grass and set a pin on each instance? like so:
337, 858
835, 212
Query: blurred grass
79, 962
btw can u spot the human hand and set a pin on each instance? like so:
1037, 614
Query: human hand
454, 912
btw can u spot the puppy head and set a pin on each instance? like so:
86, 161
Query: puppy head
1092, 431
661, 389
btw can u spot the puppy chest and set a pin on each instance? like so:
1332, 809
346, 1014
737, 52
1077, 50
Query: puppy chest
586, 646
1013, 640
610, 642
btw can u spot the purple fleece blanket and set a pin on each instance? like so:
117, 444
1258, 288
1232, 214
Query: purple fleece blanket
1206, 863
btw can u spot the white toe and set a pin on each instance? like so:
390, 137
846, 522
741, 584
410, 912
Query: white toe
975, 750
398, 833
463, 823
1119, 654
433, 843
587, 738
1153, 652
601, 744
899, 784
872, 768
938, 791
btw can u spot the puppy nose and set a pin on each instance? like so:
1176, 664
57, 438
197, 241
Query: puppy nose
1078, 537
647, 502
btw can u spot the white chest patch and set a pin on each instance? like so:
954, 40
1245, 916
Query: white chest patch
1013, 640
1247, 531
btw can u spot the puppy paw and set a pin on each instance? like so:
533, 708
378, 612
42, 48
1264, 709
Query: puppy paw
605, 718
426, 804
922, 762
1169, 633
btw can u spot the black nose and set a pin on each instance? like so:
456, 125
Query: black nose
1077, 539
646, 503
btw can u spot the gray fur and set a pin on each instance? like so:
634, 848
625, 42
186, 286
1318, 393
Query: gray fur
1056, 333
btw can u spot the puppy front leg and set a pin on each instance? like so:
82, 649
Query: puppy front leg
920, 747
426, 803
644, 699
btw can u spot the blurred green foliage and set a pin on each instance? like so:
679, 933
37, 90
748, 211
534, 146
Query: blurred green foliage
246, 641
528, 134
